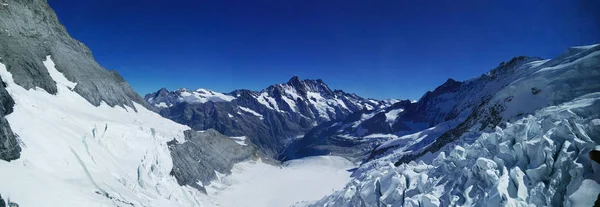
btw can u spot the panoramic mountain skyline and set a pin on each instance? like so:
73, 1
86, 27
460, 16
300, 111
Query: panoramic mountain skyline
72, 133
384, 49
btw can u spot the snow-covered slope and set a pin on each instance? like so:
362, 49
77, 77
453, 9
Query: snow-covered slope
78, 154
540, 160
269, 118
164, 99
75, 134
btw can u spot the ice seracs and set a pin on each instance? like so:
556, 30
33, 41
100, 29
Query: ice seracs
538, 160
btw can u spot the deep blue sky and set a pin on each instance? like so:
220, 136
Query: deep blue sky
379, 49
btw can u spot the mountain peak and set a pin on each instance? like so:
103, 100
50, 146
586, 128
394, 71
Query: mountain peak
294, 78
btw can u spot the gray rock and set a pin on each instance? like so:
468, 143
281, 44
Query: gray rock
9, 146
30, 31
205, 153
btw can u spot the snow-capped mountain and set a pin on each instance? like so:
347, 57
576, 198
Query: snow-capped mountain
75, 134
512, 90
269, 118
518, 136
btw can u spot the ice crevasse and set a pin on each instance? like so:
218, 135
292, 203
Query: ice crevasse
538, 160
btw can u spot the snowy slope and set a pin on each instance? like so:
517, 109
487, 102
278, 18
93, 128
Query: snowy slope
78, 154
540, 160
184, 95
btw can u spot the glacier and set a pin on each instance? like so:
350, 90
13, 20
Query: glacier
538, 160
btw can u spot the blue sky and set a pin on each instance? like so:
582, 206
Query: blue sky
378, 49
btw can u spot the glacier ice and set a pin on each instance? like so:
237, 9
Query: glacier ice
538, 160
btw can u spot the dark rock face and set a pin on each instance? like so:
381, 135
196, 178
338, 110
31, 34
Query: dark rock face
30, 31
205, 153
270, 118
9, 146
7, 203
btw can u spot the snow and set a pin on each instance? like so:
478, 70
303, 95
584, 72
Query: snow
585, 47
538, 160
586, 195
342, 104
321, 104
57, 76
202, 96
291, 91
161, 105
256, 184
419, 139
378, 136
268, 101
240, 140
73, 149
290, 103
251, 112
391, 115
567, 65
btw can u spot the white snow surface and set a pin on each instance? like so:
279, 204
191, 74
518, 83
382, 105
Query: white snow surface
251, 112
256, 184
391, 115
538, 160
74, 153
202, 96
240, 140
268, 101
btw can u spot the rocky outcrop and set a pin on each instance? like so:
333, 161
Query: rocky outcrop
30, 31
7, 203
9, 146
204, 155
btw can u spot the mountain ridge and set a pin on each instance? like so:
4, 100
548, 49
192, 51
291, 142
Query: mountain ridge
270, 117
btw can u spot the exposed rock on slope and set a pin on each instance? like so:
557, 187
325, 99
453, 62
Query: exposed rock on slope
203, 155
9, 146
30, 31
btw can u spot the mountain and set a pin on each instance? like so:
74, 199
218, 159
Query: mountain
270, 118
510, 91
75, 134
519, 135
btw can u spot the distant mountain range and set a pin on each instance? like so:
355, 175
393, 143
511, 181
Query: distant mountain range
270, 118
